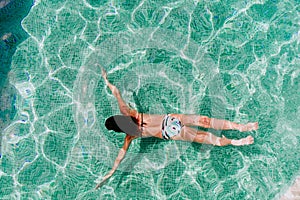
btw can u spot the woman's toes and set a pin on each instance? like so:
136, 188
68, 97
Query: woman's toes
245, 141
249, 127
250, 139
255, 127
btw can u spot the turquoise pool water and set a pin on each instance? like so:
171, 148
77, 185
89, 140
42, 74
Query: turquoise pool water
235, 60
11, 34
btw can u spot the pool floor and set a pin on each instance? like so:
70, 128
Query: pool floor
232, 60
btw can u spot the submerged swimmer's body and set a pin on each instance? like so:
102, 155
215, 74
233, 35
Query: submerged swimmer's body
168, 127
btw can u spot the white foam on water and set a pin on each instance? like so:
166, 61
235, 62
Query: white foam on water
26, 89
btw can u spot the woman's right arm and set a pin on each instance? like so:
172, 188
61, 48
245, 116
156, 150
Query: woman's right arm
121, 155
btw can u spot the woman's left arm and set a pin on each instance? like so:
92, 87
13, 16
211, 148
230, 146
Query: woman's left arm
124, 108
121, 155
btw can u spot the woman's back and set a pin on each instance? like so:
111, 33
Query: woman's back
152, 124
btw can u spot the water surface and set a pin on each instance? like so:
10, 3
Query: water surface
235, 60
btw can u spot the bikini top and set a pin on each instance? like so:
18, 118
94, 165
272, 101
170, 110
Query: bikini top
142, 123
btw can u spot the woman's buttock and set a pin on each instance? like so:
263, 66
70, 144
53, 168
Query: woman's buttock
155, 128
171, 126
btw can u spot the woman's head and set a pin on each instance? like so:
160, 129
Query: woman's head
125, 124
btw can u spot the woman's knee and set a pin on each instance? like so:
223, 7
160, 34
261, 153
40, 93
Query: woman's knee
205, 121
224, 141
209, 138
201, 136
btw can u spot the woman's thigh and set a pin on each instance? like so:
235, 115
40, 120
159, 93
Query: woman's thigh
193, 120
186, 134
193, 135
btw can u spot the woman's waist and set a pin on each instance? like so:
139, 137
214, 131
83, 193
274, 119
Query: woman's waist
152, 121
151, 131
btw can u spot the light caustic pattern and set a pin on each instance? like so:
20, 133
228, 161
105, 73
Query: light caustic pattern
236, 60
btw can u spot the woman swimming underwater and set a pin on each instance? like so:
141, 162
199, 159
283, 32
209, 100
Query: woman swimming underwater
168, 127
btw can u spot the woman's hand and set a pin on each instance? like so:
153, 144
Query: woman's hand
104, 75
103, 72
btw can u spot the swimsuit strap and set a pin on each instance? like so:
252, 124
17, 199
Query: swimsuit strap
142, 122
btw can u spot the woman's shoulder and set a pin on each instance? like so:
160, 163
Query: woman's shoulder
134, 113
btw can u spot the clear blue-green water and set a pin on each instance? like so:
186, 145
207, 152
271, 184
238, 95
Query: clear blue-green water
11, 34
234, 60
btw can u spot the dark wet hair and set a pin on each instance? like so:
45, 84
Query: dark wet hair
124, 124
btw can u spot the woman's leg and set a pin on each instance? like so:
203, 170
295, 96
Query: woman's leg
218, 124
193, 135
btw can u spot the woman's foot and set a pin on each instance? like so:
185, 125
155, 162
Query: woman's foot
248, 127
244, 141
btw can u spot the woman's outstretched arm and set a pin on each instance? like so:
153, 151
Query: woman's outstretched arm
125, 110
118, 160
